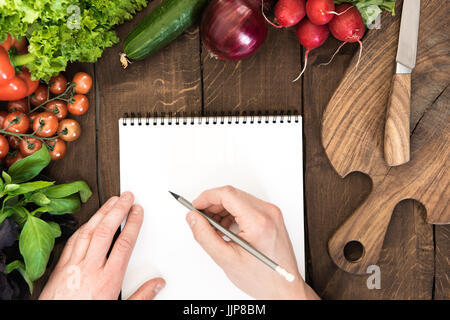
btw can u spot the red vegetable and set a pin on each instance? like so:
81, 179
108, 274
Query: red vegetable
232, 29
310, 36
320, 11
289, 12
347, 26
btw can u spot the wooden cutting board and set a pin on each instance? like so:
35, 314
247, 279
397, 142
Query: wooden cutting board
353, 131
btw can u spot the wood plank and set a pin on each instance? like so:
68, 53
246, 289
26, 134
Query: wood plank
168, 81
442, 258
261, 82
80, 163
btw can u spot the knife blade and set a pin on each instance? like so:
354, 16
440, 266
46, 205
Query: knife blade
409, 33
397, 133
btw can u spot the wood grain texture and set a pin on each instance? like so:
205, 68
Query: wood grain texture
169, 81
442, 258
79, 163
353, 144
396, 130
261, 82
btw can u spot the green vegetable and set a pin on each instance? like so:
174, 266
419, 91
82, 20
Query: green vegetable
163, 25
24, 202
371, 9
65, 30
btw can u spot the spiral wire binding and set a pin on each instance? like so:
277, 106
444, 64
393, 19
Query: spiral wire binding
184, 118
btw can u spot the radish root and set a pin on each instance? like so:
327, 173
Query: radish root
339, 14
334, 54
267, 19
304, 67
360, 53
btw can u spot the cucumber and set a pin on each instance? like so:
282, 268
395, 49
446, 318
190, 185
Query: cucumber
163, 25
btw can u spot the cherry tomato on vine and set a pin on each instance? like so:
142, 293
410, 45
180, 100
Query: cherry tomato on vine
4, 147
58, 84
69, 130
13, 157
58, 108
3, 115
17, 122
45, 124
33, 116
13, 142
19, 105
79, 106
83, 82
57, 149
29, 145
39, 96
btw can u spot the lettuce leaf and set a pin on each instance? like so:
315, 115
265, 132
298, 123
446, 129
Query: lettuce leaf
65, 30
371, 9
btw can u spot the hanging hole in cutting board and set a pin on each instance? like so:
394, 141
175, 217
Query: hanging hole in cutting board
353, 251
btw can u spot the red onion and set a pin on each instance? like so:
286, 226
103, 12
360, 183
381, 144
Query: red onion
232, 29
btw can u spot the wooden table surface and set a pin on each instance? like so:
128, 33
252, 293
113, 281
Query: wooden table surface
183, 78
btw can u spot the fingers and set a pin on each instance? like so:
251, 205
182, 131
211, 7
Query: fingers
77, 244
148, 290
104, 232
121, 252
84, 234
209, 240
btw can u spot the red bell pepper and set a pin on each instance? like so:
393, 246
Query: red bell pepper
14, 86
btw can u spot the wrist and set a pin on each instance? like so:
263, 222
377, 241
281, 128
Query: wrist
298, 290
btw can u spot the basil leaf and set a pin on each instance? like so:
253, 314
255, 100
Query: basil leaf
11, 187
69, 204
19, 266
30, 187
6, 177
29, 167
64, 190
39, 199
56, 230
36, 242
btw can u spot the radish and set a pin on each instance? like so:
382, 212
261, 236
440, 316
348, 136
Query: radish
320, 11
347, 27
287, 13
310, 36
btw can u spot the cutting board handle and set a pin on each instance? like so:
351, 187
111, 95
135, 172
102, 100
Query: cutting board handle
396, 133
357, 243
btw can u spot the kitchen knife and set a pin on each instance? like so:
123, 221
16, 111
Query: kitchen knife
396, 134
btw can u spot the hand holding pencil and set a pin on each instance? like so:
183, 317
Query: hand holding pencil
261, 224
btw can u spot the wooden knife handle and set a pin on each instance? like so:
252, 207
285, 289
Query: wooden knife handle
396, 133
358, 242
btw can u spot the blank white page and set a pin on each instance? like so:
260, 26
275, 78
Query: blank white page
264, 159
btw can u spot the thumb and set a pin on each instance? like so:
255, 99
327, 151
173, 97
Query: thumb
207, 237
148, 290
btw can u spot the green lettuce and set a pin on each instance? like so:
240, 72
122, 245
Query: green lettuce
371, 9
62, 31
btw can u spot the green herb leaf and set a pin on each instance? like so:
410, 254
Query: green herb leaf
69, 204
39, 199
9, 188
30, 187
29, 167
64, 190
36, 242
19, 266
371, 9
6, 177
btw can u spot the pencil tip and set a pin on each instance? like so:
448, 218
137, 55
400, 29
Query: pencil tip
174, 195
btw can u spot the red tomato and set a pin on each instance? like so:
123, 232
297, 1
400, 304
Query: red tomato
4, 147
33, 116
28, 146
45, 124
83, 82
17, 122
57, 149
3, 115
19, 105
12, 158
58, 84
57, 107
13, 142
69, 130
39, 96
79, 106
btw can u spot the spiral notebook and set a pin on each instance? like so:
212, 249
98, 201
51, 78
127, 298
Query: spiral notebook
257, 153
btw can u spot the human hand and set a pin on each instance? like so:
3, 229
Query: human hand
83, 270
261, 224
